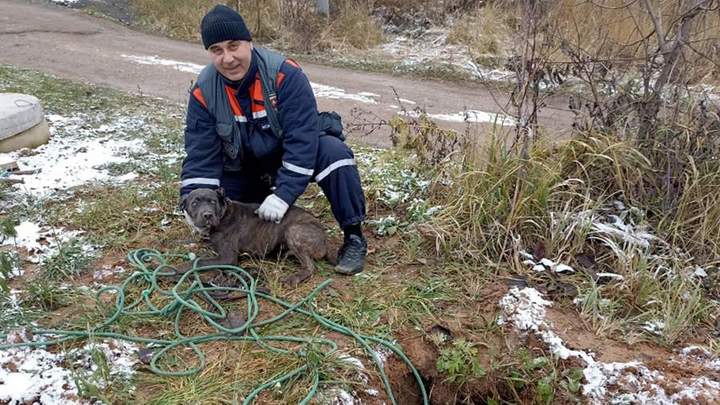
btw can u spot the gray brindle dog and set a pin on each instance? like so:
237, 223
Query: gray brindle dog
234, 228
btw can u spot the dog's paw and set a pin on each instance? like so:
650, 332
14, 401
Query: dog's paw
295, 279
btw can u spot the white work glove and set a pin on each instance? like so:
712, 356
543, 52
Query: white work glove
272, 209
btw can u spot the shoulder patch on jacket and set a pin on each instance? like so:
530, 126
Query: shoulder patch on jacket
281, 75
197, 93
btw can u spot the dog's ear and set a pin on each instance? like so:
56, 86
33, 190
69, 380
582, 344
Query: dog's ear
183, 202
224, 200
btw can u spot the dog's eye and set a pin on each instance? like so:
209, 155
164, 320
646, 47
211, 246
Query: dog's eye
194, 203
213, 202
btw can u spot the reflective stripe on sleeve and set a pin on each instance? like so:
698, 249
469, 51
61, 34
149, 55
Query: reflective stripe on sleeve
200, 180
297, 169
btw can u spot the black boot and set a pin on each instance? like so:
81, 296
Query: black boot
351, 256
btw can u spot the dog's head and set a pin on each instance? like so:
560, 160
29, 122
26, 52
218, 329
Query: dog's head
203, 209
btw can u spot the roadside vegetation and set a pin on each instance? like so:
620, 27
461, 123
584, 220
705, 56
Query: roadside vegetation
451, 40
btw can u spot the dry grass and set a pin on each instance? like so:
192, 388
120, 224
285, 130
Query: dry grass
614, 30
287, 24
486, 31
497, 206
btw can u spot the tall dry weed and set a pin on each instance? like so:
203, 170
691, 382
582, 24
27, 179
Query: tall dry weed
287, 24
486, 31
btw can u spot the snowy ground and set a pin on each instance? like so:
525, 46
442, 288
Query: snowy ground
94, 148
78, 154
431, 48
624, 231
41, 242
629, 382
37, 376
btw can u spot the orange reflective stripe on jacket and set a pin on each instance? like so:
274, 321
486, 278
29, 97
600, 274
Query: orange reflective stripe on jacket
199, 97
257, 101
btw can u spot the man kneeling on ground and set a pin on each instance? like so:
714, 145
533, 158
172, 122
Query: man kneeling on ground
253, 128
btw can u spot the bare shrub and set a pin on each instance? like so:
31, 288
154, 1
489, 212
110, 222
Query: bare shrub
303, 25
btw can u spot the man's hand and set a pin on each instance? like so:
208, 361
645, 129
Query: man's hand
272, 209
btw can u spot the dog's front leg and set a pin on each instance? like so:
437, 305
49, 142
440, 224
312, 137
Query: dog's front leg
227, 255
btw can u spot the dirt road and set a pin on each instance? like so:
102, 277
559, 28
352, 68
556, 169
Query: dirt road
71, 44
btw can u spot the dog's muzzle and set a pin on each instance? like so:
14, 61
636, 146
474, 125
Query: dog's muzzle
209, 219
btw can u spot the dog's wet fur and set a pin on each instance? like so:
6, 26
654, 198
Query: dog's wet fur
233, 228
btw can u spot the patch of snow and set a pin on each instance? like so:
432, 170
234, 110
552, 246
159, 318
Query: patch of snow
382, 353
700, 272
30, 235
546, 264
491, 75
358, 365
372, 392
635, 383
338, 396
524, 308
65, 2
654, 327
610, 276
353, 361
121, 356
320, 90
337, 93
38, 376
614, 383
406, 101
432, 48
106, 272
469, 116
538, 268
4, 159
702, 355
527, 256
30, 376
27, 235
564, 268
558, 348
70, 161
599, 375
155, 60
628, 233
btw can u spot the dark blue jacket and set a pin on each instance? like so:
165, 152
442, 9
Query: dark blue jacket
203, 165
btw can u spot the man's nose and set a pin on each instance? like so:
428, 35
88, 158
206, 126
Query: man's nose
227, 57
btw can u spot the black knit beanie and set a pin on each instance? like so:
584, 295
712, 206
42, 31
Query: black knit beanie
223, 24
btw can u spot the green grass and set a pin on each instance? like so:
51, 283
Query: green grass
460, 362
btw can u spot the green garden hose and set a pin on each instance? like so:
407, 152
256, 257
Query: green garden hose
183, 297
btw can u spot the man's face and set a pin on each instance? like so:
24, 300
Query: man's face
231, 58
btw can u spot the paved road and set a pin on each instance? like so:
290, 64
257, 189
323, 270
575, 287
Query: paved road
71, 44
